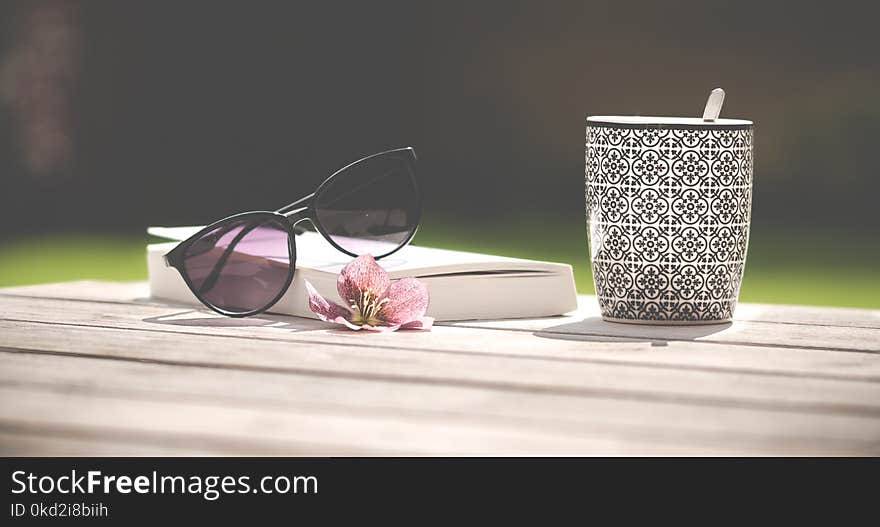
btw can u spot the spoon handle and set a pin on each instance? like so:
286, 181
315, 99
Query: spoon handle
713, 105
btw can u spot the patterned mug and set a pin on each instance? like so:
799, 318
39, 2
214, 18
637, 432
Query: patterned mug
668, 210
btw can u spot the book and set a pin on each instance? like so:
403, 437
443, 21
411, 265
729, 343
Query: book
462, 285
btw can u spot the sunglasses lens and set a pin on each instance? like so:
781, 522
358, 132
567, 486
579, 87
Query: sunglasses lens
242, 265
372, 206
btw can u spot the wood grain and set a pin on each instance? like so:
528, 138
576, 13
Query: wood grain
583, 323
127, 292
593, 349
666, 425
99, 368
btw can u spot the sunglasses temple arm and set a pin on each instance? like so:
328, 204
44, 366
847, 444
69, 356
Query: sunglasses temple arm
292, 217
221, 262
295, 204
171, 260
307, 199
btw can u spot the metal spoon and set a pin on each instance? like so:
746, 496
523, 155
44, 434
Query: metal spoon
713, 105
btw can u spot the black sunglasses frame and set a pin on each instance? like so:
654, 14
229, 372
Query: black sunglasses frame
288, 217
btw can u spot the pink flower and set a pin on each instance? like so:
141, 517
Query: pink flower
375, 302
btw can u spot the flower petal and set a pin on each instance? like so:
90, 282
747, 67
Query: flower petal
407, 302
422, 323
326, 310
381, 329
343, 321
360, 275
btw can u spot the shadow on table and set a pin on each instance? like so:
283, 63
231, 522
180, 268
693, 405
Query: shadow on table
201, 318
597, 329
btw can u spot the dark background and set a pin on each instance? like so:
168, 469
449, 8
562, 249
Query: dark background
115, 115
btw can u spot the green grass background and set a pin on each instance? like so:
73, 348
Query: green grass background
784, 266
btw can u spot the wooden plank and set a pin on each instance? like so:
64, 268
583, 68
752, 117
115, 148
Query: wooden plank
74, 442
301, 432
501, 372
524, 389
694, 356
865, 339
777, 313
673, 425
814, 315
204, 427
93, 290
834, 338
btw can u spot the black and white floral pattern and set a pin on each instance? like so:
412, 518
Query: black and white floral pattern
668, 214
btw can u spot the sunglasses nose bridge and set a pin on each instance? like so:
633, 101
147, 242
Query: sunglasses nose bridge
296, 215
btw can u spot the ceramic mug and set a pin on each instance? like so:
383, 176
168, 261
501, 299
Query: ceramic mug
668, 211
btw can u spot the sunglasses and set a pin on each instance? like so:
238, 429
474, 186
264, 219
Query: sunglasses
242, 265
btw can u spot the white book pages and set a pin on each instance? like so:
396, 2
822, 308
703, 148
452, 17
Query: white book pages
463, 285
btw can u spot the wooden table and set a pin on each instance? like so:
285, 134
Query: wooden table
97, 368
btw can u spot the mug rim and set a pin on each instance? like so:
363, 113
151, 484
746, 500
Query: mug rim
643, 122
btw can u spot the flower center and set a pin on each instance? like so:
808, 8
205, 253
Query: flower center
366, 308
